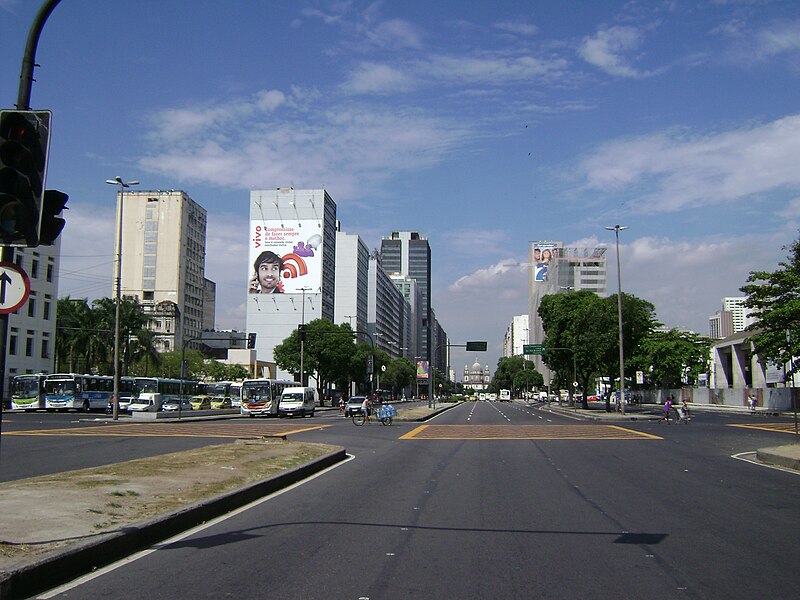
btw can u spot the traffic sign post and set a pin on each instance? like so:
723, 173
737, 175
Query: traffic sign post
533, 349
15, 287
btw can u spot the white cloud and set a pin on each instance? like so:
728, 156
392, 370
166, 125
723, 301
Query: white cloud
517, 27
489, 279
687, 171
372, 78
490, 69
607, 50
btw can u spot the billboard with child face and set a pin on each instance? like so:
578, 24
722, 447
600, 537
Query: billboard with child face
285, 257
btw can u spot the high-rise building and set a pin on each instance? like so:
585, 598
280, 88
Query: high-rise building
163, 263
30, 346
516, 336
352, 287
291, 270
733, 318
555, 269
408, 253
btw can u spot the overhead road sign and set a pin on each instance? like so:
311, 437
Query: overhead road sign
533, 349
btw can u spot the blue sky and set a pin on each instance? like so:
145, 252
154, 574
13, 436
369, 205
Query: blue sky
481, 125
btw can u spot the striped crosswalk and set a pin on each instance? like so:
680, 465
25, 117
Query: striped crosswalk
526, 432
212, 429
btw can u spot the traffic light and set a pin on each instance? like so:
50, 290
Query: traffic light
24, 141
301, 332
51, 224
251, 341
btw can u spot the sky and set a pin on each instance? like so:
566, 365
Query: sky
482, 125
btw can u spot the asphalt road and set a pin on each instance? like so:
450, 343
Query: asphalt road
635, 510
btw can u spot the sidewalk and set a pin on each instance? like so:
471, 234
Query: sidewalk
787, 456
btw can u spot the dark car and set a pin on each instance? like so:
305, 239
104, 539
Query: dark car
353, 406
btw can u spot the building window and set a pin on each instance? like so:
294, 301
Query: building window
49, 273
12, 345
35, 269
46, 311
45, 348
31, 307
29, 346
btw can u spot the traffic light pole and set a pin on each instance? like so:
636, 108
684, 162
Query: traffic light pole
23, 103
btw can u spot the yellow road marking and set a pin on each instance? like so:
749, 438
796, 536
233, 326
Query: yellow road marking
774, 427
525, 432
221, 430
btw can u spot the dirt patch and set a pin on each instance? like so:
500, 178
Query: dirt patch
46, 513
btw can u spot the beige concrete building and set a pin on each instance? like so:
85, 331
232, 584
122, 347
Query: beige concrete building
163, 263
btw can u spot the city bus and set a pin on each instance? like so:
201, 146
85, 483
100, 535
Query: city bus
223, 394
27, 392
65, 391
262, 396
505, 395
170, 389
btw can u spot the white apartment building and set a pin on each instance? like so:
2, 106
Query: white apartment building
352, 281
517, 336
295, 230
30, 347
733, 318
163, 263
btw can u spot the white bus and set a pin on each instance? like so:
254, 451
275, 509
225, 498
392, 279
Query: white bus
505, 395
64, 391
27, 392
262, 396
170, 389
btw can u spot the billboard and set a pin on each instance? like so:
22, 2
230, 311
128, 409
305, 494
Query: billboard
285, 258
422, 369
543, 255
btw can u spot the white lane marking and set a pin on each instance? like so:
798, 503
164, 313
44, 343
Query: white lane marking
749, 457
159, 545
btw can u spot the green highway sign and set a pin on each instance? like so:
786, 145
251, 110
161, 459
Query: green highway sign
476, 346
533, 349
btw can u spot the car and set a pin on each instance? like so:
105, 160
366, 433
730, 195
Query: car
221, 402
172, 405
353, 406
201, 403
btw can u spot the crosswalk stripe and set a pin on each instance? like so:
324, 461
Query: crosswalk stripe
775, 427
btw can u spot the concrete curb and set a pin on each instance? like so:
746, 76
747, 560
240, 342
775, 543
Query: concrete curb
781, 456
61, 566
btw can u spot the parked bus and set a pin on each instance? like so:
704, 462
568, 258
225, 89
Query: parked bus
222, 394
64, 391
27, 392
262, 396
170, 389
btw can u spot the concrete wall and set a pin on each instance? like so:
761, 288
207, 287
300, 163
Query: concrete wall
766, 398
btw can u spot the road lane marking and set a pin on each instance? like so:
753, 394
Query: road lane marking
526, 432
215, 430
774, 427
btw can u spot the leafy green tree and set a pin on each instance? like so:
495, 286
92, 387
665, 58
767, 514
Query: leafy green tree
516, 374
670, 358
774, 301
399, 374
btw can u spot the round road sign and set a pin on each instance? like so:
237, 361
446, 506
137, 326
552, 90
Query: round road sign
15, 287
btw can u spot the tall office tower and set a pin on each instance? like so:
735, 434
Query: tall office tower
516, 336
291, 270
352, 287
740, 315
413, 330
554, 270
32, 328
408, 253
163, 263
388, 310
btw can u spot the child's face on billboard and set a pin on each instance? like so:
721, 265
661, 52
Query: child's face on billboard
268, 276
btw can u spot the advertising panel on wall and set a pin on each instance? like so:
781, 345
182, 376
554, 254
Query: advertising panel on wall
542, 256
285, 257
422, 369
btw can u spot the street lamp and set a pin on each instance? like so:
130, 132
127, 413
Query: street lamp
118, 285
616, 229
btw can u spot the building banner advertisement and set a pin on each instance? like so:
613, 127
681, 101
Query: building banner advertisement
544, 253
285, 257
422, 369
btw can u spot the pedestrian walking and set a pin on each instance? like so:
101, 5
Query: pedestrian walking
684, 412
667, 409
751, 402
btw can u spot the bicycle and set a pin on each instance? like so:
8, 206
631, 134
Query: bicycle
359, 419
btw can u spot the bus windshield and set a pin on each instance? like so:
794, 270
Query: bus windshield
25, 387
59, 387
256, 391
146, 386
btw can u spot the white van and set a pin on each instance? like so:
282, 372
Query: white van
297, 401
146, 402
